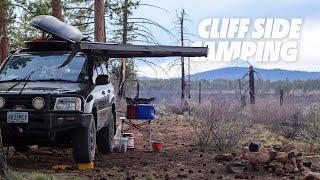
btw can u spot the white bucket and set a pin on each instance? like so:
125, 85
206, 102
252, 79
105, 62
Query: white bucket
130, 140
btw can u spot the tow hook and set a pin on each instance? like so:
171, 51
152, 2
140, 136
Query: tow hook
20, 130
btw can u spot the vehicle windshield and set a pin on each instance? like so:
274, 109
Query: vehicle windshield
45, 67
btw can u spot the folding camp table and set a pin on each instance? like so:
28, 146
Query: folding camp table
133, 122
140, 125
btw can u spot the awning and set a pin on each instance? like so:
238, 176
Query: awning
73, 35
127, 51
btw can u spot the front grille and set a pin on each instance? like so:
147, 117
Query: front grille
22, 101
52, 102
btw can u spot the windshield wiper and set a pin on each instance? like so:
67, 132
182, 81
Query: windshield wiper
26, 79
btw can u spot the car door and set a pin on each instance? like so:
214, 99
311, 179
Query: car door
109, 92
100, 92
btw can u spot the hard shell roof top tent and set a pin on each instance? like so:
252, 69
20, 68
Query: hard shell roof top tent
73, 38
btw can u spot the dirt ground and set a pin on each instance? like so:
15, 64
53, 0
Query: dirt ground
182, 158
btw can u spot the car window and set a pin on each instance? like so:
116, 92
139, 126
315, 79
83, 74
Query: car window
97, 70
104, 69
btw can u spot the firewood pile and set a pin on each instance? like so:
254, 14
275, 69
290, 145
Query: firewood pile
283, 160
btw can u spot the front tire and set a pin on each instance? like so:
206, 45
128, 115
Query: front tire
84, 143
105, 137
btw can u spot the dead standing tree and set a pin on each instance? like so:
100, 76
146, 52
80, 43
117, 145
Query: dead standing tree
250, 86
183, 80
122, 77
128, 30
200, 92
182, 19
281, 97
189, 79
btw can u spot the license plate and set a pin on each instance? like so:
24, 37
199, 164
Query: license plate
17, 117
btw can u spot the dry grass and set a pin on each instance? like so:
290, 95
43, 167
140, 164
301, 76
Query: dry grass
283, 120
219, 125
223, 125
14, 175
311, 126
178, 107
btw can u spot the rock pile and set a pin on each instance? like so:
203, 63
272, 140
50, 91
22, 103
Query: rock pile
280, 159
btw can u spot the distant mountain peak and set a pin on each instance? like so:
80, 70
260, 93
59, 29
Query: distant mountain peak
239, 63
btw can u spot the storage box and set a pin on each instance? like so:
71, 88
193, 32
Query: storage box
145, 111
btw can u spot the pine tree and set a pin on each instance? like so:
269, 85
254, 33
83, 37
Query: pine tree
4, 52
20, 29
57, 9
4, 44
99, 22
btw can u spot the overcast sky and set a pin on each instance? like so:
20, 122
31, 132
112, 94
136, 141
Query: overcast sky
309, 10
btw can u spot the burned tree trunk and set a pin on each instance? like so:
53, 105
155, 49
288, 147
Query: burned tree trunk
199, 92
251, 85
4, 44
122, 79
183, 80
138, 90
99, 25
281, 97
57, 9
189, 80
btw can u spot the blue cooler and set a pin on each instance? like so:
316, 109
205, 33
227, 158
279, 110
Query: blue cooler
145, 112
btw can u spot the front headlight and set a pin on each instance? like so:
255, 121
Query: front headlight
68, 104
38, 103
2, 103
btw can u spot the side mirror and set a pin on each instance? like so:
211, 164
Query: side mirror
102, 79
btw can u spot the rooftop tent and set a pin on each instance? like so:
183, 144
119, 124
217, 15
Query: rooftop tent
58, 29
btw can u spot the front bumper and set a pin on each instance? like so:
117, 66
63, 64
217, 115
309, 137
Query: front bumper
45, 123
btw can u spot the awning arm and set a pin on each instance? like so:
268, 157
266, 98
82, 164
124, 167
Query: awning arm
75, 50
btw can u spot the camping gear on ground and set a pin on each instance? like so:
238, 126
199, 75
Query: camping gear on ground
86, 166
141, 111
157, 146
140, 100
254, 146
131, 111
120, 145
81, 166
139, 115
62, 167
130, 137
145, 111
